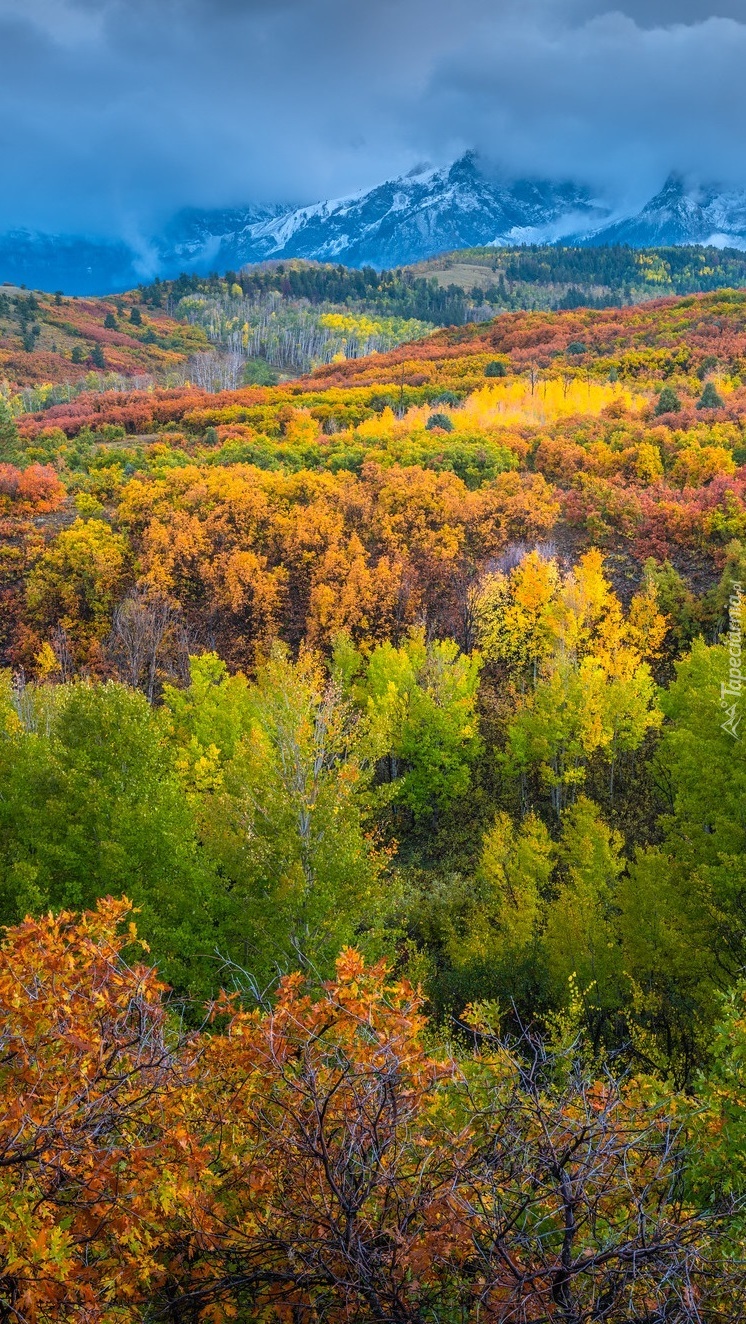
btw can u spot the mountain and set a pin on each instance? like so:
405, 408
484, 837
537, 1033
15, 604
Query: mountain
682, 213
67, 262
399, 222
203, 240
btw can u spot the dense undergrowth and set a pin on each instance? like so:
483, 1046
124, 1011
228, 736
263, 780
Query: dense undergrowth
433, 655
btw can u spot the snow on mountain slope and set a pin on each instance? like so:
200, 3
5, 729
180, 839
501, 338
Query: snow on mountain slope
400, 221
682, 214
197, 237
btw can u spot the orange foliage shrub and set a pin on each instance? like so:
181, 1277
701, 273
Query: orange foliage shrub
315, 1158
35, 488
85, 1058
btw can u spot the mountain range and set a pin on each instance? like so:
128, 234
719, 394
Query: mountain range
404, 220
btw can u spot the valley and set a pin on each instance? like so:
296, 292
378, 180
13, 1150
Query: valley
372, 671
418, 668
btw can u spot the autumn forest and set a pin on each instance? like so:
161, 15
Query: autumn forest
372, 834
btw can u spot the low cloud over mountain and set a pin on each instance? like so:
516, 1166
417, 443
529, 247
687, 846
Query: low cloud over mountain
116, 113
400, 221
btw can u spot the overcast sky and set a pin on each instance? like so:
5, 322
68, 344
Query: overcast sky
115, 113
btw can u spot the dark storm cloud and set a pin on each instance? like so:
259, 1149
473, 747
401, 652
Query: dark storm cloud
114, 112
605, 96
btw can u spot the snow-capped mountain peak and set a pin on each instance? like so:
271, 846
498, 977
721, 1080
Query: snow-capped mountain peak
400, 221
431, 210
683, 212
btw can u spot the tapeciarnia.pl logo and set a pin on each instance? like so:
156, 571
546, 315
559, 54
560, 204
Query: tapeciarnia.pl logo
730, 691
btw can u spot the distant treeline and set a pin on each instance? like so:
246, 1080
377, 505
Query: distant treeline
685, 270
386, 293
527, 278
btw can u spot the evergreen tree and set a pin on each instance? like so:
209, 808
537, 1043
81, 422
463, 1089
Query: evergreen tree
440, 421
668, 401
710, 399
10, 447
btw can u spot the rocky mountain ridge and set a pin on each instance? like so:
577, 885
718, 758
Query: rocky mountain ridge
401, 221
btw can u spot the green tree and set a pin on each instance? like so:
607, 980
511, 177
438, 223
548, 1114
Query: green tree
718, 1167
676, 601
30, 335
440, 421
710, 398
258, 373
279, 774
478, 937
668, 401
10, 442
501, 923
422, 699
682, 906
714, 607
213, 713
580, 940
91, 806
578, 712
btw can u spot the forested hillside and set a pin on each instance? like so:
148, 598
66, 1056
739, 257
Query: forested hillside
53, 348
283, 319
53, 340
403, 700
555, 276
294, 315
